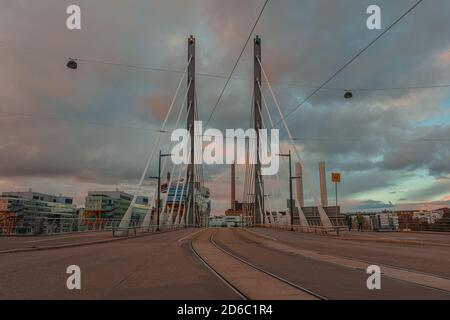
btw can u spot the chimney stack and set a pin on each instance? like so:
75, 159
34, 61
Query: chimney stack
323, 184
233, 186
299, 183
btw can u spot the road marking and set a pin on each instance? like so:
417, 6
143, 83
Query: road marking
59, 238
261, 235
190, 235
225, 281
424, 279
266, 272
245, 278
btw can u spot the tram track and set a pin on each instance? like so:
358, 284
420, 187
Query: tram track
245, 287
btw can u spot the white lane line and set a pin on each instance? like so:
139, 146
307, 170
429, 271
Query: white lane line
59, 238
424, 279
190, 235
411, 276
261, 235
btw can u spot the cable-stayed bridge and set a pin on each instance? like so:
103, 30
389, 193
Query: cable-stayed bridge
276, 253
186, 200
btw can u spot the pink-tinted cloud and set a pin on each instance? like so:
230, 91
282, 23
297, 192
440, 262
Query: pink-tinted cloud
444, 57
155, 107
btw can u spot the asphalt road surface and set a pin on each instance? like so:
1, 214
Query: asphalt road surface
151, 267
164, 266
395, 249
321, 275
32, 242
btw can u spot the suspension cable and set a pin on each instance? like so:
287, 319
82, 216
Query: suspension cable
169, 184
324, 217
302, 217
350, 61
124, 223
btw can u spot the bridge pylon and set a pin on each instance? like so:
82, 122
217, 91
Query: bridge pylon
191, 106
259, 212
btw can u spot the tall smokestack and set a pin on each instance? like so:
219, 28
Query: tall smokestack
323, 184
233, 186
299, 182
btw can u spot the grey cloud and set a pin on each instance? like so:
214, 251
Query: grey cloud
374, 204
431, 151
440, 188
303, 42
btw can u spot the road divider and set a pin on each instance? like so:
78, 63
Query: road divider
80, 244
419, 278
243, 277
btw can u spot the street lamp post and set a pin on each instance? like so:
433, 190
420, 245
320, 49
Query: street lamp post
157, 179
264, 196
291, 200
336, 178
158, 203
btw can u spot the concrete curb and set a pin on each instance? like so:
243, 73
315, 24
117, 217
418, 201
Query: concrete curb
410, 242
81, 244
428, 232
50, 234
428, 280
393, 241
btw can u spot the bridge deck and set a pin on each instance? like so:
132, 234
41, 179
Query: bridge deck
163, 266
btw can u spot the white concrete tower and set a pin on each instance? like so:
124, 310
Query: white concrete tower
299, 184
323, 184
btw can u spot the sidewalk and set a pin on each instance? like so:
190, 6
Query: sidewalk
412, 238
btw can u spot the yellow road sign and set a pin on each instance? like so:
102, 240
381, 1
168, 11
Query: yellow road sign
336, 177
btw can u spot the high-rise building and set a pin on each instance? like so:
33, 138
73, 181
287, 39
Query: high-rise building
109, 207
32, 212
177, 198
233, 186
323, 184
299, 184
235, 206
107, 204
30, 195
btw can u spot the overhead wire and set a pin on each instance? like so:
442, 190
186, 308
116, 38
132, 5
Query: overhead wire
237, 62
349, 62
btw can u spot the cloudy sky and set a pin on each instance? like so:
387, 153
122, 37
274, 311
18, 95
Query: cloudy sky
64, 131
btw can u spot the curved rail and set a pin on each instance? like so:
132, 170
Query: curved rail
314, 294
217, 274
259, 269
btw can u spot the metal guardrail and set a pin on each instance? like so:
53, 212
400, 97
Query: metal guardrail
155, 228
297, 228
50, 226
56, 226
439, 225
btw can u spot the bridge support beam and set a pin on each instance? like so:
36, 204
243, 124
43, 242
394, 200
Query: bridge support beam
259, 213
191, 105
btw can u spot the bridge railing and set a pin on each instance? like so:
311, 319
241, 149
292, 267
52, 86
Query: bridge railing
297, 228
54, 226
438, 225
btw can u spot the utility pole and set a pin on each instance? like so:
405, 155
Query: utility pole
336, 178
291, 204
190, 200
158, 204
257, 113
158, 199
335, 185
291, 198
